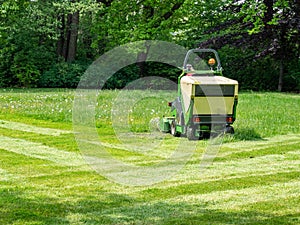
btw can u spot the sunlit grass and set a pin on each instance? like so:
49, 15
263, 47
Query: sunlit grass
254, 178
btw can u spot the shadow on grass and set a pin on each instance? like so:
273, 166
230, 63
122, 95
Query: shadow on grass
241, 134
247, 134
182, 213
123, 209
16, 208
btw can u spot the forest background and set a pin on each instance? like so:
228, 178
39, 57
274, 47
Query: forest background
51, 43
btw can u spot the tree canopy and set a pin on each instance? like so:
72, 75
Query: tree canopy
51, 43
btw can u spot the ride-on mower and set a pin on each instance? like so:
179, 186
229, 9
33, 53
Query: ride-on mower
206, 101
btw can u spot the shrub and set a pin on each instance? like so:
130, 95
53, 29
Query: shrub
63, 75
148, 69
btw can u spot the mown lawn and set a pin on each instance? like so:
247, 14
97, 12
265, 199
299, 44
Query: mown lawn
254, 178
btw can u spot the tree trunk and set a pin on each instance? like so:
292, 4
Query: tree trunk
141, 60
269, 14
67, 42
72, 37
280, 81
65, 49
283, 55
61, 39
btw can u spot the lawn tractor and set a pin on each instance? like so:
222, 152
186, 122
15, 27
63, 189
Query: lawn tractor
206, 102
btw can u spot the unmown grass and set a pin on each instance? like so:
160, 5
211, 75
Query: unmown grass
267, 114
259, 115
254, 179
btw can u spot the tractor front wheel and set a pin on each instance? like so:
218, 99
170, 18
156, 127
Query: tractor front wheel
173, 129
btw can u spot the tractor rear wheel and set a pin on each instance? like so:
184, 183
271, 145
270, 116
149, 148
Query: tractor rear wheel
173, 129
229, 130
190, 133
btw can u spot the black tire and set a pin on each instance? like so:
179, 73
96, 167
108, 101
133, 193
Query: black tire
190, 133
206, 135
173, 130
229, 130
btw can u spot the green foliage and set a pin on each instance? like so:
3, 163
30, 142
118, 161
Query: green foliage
23, 66
258, 74
292, 79
26, 50
63, 75
6, 76
162, 70
35, 34
134, 21
27, 75
147, 69
121, 78
262, 28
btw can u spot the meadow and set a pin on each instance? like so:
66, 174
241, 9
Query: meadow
253, 179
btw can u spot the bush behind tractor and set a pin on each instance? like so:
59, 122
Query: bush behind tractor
206, 101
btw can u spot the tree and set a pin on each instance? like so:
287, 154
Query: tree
279, 25
140, 20
268, 28
68, 17
37, 37
25, 36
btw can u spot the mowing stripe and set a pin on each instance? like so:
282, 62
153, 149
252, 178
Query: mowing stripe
239, 168
33, 129
223, 201
5, 176
152, 151
261, 144
165, 150
232, 199
262, 147
39, 151
268, 164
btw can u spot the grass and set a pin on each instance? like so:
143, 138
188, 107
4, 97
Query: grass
268, 114
254, 179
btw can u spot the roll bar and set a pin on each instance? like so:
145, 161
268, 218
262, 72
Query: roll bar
191, 51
